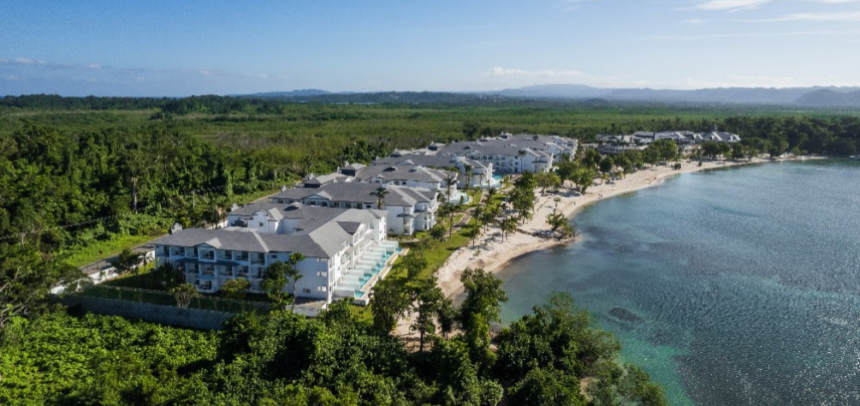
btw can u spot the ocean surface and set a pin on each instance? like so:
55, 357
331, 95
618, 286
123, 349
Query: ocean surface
744, 282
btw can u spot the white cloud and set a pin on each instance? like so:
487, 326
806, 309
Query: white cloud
731, 5
737, 5
811, 17
505, 72
24, 62
33, 68
705, 37
694, 21
512, 77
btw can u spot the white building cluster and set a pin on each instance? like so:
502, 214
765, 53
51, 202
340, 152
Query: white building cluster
340, 221
505, 154
345, 250
613, 144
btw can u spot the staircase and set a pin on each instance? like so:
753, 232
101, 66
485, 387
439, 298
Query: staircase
372, 262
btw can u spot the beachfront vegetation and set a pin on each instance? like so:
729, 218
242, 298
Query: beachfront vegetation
85, 178
111, 170
282, 358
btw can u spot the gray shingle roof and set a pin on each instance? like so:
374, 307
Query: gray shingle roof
434, 161
509, 146
323, 232
405, 173
357, 192
325, 179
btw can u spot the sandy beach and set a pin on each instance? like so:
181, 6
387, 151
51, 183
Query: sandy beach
492, 254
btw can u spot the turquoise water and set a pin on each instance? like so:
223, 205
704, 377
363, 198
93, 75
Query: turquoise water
746, 282
455, 198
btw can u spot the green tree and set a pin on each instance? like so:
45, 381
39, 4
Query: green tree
448, 210
274, 281
236, 288
482, 306
127, 261
566, 171
450, 182
584, 179
469, 171
414, 262
294, 274
546, 180
388, 304
26, 278
508, 226
471, 129
380, 194
438, 232
546, 387
183, 294
558, 223
606, 164
429, 303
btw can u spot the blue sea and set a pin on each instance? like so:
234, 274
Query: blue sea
745, 282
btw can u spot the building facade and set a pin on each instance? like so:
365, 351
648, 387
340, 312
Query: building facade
471, 172
515, 153
345, 251
408, 209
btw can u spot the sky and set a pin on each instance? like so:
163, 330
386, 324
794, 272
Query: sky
180, 48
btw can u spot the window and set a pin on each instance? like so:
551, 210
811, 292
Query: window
322, 274
261, 224
306, 290
274, 256
322, 288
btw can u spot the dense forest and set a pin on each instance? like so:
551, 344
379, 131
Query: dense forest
552, 357
82, 178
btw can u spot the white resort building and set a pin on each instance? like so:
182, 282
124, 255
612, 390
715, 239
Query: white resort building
613, 144
407, 175
515, 153
408, 209
346, 251
472, 172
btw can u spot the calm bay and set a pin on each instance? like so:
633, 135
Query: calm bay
738, 286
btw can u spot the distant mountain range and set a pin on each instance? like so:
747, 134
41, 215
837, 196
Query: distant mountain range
813, 97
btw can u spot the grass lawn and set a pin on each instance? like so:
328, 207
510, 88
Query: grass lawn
80, 256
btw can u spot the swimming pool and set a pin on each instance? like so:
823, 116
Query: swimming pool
455, 197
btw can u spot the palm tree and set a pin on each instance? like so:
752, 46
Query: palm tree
294, 274
380, 193
468, 170
521, 154
478, 215
449, 181
509, 225
448, 210
183, 294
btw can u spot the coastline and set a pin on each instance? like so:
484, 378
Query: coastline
492, 254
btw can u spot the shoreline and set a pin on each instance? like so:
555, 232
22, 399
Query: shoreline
492, 254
